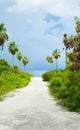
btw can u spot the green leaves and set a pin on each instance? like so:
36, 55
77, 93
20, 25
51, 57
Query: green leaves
48, 75
3, 35
56, 54
19, 55
25, 61
65, 86
73, 42
49, 59
2, 28
13, 48
9, 81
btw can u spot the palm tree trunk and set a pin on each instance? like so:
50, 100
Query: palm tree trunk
19, 63
24, 68
2, 46
13, 63
49, 66
56, 65
66, 56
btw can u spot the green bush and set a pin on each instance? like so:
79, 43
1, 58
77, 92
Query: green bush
65, 86
4, 66
49, 75
9, 80
73, 91
1, 81
15, 68
55, 85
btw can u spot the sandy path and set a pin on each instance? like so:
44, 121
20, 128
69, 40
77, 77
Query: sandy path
32, 108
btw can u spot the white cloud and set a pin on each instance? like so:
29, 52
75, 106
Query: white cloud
27, 5
65, 8
57, 7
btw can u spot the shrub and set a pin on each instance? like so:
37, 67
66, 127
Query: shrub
55, 85
1, 81
65, 86
4, 66
15, 68
49, 75
9, 80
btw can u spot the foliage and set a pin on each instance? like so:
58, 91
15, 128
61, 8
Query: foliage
68, 41
56, 55
65, 87
54, 86
9, 81
49, 59
3, 35
13, 48
48, 75
73, 91
19, 55
4, 66
15, 68
73, 42
77, 20
25, 61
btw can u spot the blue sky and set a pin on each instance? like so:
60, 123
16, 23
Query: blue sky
37, 26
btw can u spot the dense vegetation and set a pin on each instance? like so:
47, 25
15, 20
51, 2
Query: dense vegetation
11, 77
65, 84
9, 80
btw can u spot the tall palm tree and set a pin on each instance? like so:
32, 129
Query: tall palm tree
25, 61
3, 35
68, 43
56, 55
13, 49
19, 56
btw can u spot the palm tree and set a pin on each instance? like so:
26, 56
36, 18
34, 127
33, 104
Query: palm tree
3, 35
49, 59
13, 49
19, 56
56, 55
68, 43
25, 61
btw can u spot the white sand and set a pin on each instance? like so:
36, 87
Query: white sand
32, 108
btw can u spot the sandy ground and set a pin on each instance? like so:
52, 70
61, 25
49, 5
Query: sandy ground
32, 108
